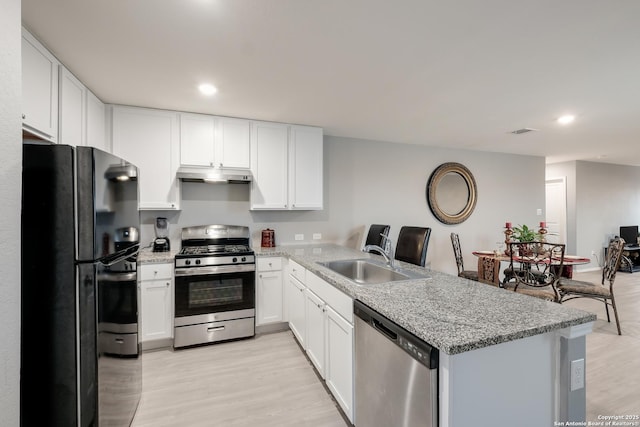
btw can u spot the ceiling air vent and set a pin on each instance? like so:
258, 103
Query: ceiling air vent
523, 130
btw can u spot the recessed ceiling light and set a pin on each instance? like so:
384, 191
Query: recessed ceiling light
565, 120
207, 89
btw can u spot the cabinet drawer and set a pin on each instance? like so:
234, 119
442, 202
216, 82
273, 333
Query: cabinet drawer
155, 271
269, 264
338, 300
297, 271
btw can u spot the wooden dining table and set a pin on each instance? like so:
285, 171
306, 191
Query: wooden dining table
567, 264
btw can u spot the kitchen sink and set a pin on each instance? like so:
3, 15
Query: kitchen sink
364, 272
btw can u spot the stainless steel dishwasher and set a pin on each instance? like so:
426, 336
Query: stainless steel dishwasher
396, 374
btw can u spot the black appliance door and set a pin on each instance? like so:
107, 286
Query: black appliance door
118, 302
106, 201
48, 353
214, 293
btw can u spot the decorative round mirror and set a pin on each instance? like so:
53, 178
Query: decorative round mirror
452, 193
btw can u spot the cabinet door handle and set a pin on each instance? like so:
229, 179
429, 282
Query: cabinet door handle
119, 341
24, 116
319, 305
215, 329
260, 276
167, 284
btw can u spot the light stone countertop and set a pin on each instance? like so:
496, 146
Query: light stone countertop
453, 314
147, 256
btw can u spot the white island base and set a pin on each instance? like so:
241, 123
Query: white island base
525, 382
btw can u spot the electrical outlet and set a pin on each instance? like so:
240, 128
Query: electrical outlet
577, 374
299, 236
317, 236
538, 211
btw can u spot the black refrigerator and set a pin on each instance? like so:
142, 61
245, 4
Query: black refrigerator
73, 201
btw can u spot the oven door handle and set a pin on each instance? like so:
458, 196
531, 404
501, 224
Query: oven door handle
216, 269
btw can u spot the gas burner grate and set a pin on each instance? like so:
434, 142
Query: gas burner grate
213, 249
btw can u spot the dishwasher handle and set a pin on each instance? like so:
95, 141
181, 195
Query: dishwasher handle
378, 325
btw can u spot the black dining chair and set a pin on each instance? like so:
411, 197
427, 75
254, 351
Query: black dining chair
534, 266
375, 235
412, 245
570, 289
457, 252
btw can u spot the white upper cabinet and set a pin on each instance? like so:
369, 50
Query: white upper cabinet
305, 168
39, 89
197, 138
149, 139
96, 123
82, 114
233, 142
269, 166
286, 162
72, 109
211, 141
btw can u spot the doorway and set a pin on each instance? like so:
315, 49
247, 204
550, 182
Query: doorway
556, 209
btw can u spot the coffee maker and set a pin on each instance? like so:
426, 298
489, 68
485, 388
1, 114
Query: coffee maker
161, 242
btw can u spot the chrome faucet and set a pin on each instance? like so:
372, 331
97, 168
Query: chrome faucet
388, 254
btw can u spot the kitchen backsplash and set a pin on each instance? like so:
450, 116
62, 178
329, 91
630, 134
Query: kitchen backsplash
204, 204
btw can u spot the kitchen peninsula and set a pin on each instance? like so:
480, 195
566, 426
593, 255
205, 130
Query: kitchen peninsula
504, 357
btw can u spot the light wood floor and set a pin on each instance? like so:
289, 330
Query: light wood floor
267, 381
613, 361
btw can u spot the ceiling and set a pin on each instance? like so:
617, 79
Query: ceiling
459, 74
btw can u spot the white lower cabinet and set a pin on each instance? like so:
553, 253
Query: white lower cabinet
156, 302
321, 318
315, 345
339, 360
296, 307
269, 289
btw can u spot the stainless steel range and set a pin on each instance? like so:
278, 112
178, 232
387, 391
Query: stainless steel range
214, 285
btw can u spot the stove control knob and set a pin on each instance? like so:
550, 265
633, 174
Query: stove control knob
187, 262
234, 259
198, 262
244, 258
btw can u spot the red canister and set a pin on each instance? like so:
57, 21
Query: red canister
268, 238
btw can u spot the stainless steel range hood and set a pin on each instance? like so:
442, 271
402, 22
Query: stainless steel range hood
214, 175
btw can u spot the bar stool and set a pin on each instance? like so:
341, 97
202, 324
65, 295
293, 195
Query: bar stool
374, 237
412, 245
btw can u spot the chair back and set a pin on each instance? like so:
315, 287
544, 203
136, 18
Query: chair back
374, 237
489, 270
536, 264
457, 252
412, 245
612, 260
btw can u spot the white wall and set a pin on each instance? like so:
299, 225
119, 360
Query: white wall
600, 198
607, 197
10, 191
379, 182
